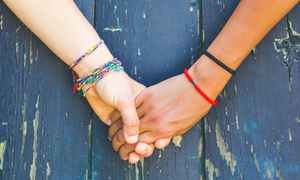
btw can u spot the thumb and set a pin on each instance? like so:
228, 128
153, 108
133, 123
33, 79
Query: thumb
130, 119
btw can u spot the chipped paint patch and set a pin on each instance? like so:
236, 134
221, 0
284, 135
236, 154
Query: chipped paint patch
30, 49
143, 167
24, 125
18, 29
17, 47
254, 51
290, 136
2, 151
278, 174
135, 70
35, 127
48, 171
288, 44
177, 140
115, 8
235, 89
113, 29
269, 175
25, 57
223, 148
237, 120
200, 147
36, 55
256, 162
211, 170
24, 129
1, 21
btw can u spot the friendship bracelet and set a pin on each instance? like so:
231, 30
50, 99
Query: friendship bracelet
96, 75
200, 91
117, 69
219, 62
86, 54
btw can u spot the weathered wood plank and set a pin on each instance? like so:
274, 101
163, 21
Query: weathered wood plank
155, 40
252, 133
44, 127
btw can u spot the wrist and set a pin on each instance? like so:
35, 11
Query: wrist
209, 76
99, 57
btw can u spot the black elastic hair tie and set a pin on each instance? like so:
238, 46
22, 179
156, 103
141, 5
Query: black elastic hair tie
219, 62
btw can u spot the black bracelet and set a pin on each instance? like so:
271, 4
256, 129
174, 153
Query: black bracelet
219, 62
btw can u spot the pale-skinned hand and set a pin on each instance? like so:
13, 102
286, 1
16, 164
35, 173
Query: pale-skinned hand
116, 91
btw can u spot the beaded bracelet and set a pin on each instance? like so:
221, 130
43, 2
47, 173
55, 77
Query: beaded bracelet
90, 51
219, 63
200, 91
96, 75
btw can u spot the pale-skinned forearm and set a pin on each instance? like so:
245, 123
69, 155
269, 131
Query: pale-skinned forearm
63, 28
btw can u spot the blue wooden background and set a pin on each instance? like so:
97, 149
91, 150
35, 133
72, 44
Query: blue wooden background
47, 132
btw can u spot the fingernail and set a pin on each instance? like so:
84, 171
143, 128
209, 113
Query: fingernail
108, 122
144, 152
132, 139
109, 138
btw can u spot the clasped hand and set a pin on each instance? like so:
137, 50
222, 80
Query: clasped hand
143, 118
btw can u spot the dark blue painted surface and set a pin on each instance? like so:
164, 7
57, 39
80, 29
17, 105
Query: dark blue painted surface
43, 125
39, 110
253, 132
158, 40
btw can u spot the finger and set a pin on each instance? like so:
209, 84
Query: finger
144, 149
130, 120
162, 143
134, 158
118, 125
114, 128
118, 140
125, 150
114, 116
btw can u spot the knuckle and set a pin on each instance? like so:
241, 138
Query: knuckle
120, 137
132, 123
164, 131
155, 116
119, 124
129, 147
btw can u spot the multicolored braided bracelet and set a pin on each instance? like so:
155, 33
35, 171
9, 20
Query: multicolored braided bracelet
96, 75
90, 51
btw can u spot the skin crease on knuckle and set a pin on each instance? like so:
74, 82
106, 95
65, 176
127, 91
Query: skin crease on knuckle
115, 128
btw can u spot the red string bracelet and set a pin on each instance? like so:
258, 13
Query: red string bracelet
200, 91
